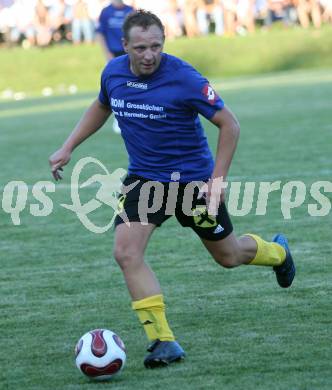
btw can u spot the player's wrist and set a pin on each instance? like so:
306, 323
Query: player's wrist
220, 177
67, 148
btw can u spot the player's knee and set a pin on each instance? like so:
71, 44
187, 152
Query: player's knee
227, 260
126, 257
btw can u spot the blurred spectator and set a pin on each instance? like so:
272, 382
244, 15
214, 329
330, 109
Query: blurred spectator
260, 12
210, 11
155, 6
281, 10
43, 27
202, 17
290, 16
6, 20
109, 30
166, 11
81, 23
60, 15
171, 20
275, 11
230, 16
23, 29
217, 14
6, 3
309, 10
39, 22
94, 8
190, 21
327, 10
245, 13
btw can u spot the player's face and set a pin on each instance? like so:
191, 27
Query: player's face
144, 48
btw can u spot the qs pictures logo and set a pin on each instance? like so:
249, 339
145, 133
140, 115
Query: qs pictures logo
109, 185
107, 192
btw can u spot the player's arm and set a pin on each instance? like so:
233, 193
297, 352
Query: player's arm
102, 41
229, 131
92, 120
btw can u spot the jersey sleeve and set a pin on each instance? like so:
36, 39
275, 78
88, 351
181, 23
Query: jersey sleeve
199, 95
101, 28
103, 95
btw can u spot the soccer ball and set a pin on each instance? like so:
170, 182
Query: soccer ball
100, 354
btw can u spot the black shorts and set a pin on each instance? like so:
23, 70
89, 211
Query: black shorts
154, 202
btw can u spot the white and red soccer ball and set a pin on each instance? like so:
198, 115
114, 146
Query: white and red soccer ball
100, 354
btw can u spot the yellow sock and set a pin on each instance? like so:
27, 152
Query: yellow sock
268, 253
151, 313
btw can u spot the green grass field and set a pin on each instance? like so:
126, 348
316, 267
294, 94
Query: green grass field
280, 49
239, 329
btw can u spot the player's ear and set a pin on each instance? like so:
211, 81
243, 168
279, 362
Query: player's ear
125, 44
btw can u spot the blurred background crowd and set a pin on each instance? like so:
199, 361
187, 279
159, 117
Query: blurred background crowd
44, 22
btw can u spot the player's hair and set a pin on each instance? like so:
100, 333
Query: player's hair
141, 18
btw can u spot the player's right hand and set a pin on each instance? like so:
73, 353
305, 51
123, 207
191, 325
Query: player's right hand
59, 159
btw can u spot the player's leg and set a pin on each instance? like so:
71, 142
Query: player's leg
144, 288
216, 233
129, 247
248, 249
253, 250
231, 252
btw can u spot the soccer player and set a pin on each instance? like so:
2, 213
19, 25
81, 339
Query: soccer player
109, 30
156, 98
109, 34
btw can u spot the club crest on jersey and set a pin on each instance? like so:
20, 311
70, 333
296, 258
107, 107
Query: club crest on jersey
210, 94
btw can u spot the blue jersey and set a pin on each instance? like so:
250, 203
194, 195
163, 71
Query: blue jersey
158, 117
110, 26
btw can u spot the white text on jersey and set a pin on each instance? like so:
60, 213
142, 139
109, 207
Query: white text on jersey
132, 84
